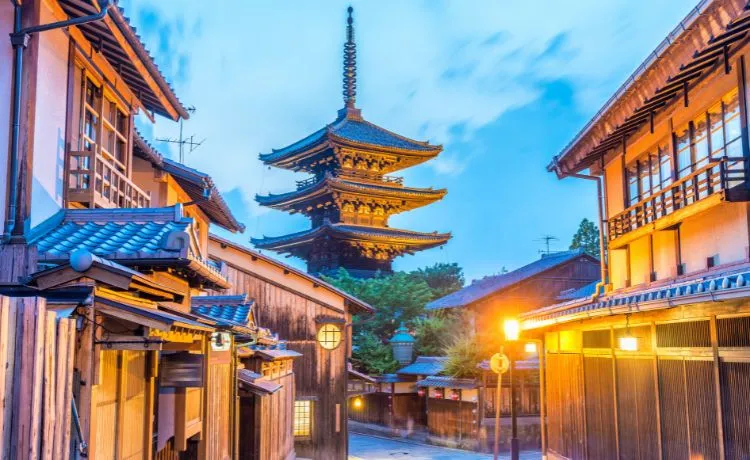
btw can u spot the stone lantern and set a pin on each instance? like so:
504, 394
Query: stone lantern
402, 344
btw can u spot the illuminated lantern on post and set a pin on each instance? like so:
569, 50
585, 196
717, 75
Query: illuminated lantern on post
402, 344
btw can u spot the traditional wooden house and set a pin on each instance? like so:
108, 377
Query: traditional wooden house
348, 197
104, 247
315, 319
654, 362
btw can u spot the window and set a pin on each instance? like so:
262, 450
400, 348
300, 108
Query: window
329, 336
302, 419
105, 126
649, 174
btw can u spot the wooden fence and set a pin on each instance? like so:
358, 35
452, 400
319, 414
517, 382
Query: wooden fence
36, 380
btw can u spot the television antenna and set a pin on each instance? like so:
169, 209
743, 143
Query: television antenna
183, 141
547, 239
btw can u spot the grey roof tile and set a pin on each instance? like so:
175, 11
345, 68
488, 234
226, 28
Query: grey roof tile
424, 365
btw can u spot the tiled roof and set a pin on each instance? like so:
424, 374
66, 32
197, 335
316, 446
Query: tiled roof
329, 184
448, 382
198, 185
726, 284
424, 365
351, 231
226, 310
526, 364
493, 284
576, 293
389, 378
256, 382
356, 130
103, 37
132, 237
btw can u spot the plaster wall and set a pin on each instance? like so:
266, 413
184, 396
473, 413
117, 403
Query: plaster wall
6, 83
405, 387
640, 261
722, 231
665, 254
49, 133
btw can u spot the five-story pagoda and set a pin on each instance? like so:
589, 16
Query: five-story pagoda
349, 197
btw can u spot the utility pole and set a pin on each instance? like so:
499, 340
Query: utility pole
182, 141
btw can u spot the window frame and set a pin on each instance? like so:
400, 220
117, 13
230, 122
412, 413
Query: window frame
339, 331
307, 435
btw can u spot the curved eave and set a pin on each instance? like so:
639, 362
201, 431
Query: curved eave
415, 197
414, 240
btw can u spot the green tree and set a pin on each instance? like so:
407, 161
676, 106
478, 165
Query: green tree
442, 278
464, 355
433, 335
372, 355
586, 238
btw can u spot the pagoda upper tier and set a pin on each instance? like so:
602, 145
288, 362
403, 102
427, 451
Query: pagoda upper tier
348, 198
352, 143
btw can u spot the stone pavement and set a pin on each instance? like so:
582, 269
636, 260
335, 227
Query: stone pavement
366, 447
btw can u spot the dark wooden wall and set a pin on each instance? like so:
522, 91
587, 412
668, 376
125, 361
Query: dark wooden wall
452, 419
398, 410
266, 423
684, 394
320, 375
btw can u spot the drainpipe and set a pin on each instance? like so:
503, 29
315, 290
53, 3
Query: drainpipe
14, 223
600, 201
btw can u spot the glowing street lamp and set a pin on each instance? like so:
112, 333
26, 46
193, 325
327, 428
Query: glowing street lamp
357, 403
512, 329
530, 347
628, 343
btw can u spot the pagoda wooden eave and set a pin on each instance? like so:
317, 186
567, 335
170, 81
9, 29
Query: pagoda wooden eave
325, 189
405, 239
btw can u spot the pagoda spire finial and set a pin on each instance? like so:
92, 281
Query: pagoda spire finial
350, 63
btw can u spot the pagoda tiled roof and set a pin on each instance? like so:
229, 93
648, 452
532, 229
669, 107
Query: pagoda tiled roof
424, 365
132, 237
448, 382
330, 183
351, 129
351, 231
490, 285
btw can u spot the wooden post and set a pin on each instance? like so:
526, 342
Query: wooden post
497, 417
542, 353
657, 396
616, 405
717, 387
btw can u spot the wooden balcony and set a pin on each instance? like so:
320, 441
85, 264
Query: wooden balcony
721, 179
98, 183
356, 175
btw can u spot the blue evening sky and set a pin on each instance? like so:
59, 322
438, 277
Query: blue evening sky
502, 85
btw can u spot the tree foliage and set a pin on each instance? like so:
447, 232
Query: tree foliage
586, 238
464, 356
399, 297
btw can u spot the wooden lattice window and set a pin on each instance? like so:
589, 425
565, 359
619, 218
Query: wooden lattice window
105, 126
303, 419
683, 334
329, 336
597, 339
733, 332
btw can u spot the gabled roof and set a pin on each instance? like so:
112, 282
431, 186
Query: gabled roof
583, 291
354, 232
354, 303
256, 383
424, 365
353, 131
226, 310
494, 284
722, 285
198, 185
448, 382
123, 48
158, 237
331, 184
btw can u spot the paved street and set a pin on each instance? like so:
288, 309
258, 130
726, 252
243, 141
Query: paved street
366, 447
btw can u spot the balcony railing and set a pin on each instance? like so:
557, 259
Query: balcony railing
96, 182
358, 175
723, 175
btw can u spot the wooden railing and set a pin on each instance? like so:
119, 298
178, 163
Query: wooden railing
96, 182
715, 177
354, 174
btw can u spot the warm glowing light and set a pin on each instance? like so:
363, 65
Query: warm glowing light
529, 347
512, 329
455, 395
420, 392
358, 403
628, 343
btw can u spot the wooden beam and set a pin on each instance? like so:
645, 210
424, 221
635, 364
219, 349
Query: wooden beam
717, 387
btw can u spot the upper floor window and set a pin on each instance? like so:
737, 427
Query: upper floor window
105, 126
649, 174
711, 135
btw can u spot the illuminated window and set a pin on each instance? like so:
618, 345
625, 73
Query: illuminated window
329, 336
302, 418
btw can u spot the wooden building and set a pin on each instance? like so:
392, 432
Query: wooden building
315, 319
655, 363
348, 197
105, 350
